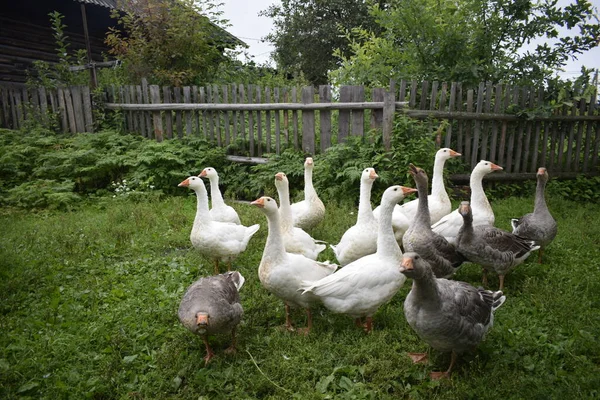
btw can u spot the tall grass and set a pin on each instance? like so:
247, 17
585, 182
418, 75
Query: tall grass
89, 300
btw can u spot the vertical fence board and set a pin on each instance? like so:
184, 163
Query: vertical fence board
451, 108
571, 124
389, 108
277, 127
147, 114
308, 122
226, 126
251, 120
441, 107
510, 150
156, 118
259, 123
196, 99
344, 115
70, 111
187, 98
268, 121
209, 116
497, 110
235, 114
525, 133
294, 99
217, 115
136, 114
62, 108
588, 133
504, 129
5, 109
477, 128
485, 127
468, 128
285, 95
325, 117
87, 109
537, 128
561, 141
358, 116
377, 115
44, 104
596, 147
178, 114
242, 99
459, 107
402, 91
412, 102
168, 98
579, 139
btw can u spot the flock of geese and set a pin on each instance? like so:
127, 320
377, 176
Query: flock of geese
450, 316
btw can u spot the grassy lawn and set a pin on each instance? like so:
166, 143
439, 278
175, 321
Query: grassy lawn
88, 309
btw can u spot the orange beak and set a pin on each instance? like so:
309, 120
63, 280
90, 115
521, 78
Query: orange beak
260, 203
454, 153
496, 167
407, 190
185, 183
309, 161
407, 264
464, 207
202, 319
279, 176
373, 175
203, 173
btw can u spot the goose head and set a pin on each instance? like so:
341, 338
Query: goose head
266, 204
419, 175
193, 182
209, 173
395, 194
202, 321
542, 174
235, 277
465, 210
484, 167
369, 175
446, 153
309, 163
414, 266
281, 181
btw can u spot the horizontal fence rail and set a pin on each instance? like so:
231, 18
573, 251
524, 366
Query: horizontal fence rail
507, 125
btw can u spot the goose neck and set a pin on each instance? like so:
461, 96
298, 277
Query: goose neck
422, 218
365, 211
202, 214
309, 190
286, 219
437, 182
274, 247
540, 200
478, 198
215, 193
386, 241
425, 288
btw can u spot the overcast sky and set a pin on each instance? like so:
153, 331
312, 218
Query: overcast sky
248, 26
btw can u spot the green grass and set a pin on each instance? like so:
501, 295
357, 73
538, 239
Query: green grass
89, 301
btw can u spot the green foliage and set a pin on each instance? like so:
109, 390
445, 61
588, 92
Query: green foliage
469, 41
89, 297
92, 164
176, 43
299, 22
582, 188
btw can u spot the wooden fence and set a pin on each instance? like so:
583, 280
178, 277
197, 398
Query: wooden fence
493, 122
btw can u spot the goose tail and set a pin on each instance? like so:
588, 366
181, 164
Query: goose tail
498, 299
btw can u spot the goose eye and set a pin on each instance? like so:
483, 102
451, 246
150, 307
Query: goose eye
395, 190
445, 151
486, 164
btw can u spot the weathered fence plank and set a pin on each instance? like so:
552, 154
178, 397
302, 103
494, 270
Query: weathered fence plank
268, 121
227, 127
277, 127
468, 128
588, 135
358, 117
259, 122
251, 121
168, 98
325, 117
344, 115
308, 122
156, 118
217, 115
87, 109
187, 98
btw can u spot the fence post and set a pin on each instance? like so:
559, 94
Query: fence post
389, 108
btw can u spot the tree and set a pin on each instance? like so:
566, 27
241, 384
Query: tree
308, 31
171, 42
468, 41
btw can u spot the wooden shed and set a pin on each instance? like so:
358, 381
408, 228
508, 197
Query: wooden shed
26, 35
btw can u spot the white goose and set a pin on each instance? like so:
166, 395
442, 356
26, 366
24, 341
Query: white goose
295, 239
438, 200
310, 211
361, 239
483, 214
362, 286
217, 240
281, 273
220, 211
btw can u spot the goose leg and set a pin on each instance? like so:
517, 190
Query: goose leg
540, 255
501, 282
209, 352
358, 322
229, 266
233, 348
369, 324
217, 266
446, 374
306, 331
288, 320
